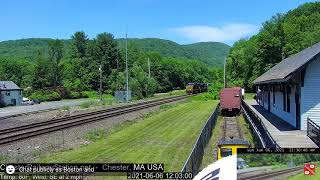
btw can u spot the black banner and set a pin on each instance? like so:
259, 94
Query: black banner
67, 168
277, 150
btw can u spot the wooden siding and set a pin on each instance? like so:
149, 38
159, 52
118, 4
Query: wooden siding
310, 94
278, 108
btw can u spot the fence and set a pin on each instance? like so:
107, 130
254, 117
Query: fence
121, 96
260, 131
194, 160
313, 131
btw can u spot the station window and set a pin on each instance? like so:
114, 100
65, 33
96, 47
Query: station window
274, 98
288, 102
8, 93
284, 101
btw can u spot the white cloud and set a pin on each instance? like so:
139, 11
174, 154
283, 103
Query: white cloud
226, 33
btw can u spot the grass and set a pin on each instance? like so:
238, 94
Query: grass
65, 108
210, 151
245, 128
301, 176
166, 137
249, 95
86, 104
210, 155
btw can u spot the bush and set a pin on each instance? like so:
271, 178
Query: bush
86, 104
90, 94
74, 95
48, 95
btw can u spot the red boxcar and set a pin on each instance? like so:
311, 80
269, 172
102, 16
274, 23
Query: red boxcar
230, 100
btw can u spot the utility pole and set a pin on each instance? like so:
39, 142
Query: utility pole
100, 69
224, 73
117, 69
127, 77
149, 77
149, 67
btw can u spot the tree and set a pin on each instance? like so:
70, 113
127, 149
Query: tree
55, 55
79, 44
41, 73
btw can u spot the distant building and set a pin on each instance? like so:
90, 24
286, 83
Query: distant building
10, 93
291, 89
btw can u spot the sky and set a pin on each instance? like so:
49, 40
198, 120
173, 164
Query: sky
182, 21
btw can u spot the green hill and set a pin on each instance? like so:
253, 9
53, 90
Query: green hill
211, 53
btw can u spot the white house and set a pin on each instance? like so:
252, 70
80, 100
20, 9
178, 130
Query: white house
10, 93
291, 89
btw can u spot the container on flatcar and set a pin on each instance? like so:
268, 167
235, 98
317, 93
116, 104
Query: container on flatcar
230, 100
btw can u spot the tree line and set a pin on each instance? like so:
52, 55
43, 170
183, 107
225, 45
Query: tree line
279, 37
68, 72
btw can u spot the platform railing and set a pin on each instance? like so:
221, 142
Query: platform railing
261, 131
313, 131
194, 160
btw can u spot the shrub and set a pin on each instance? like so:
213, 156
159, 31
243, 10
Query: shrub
74, 95
95, 134
86, 104
65, 108
90, 94
48, 95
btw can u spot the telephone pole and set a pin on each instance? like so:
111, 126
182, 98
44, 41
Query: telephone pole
224, 73
149, 67
127, 77
117, 69
100, 89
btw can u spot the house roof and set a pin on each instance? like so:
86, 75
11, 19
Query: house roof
8, 85
283, 70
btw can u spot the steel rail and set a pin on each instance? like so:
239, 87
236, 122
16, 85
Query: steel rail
270, 174
68, 118
84, 120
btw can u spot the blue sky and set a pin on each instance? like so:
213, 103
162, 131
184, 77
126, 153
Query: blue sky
182, 21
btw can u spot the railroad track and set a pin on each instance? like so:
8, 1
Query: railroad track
272, 174
27, 131
231, 128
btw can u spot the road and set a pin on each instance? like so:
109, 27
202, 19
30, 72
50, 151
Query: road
12, 110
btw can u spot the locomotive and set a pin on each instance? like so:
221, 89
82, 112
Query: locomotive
194, 88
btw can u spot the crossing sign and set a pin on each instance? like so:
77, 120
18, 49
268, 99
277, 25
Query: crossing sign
309, 169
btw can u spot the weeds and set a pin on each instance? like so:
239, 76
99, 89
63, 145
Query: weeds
95, 135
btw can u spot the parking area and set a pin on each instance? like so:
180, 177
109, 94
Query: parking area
12, 110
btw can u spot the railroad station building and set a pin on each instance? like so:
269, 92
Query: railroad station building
291, 89
10, 94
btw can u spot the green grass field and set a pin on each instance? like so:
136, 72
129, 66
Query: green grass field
245, 128
166, 137
301, 176
209, 155
249, 95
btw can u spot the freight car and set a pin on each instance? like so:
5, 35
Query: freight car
230, 101
194, 88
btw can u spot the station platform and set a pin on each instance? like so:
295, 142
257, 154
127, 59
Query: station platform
285, 135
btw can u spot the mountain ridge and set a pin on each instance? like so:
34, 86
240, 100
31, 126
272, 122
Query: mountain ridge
211, 53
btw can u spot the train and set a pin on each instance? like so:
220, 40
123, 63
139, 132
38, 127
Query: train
194, 88
230, 104
230, 101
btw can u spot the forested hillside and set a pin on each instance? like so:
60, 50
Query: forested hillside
68, 69
211, 53
279, 37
